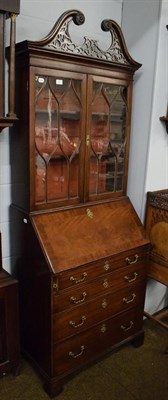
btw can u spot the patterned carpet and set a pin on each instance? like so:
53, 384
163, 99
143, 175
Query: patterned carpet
129, 374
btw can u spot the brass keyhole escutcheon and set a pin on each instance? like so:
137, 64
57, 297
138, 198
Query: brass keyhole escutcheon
87, 140
89, 213
106, 266
105, 284
104, 303
103, 328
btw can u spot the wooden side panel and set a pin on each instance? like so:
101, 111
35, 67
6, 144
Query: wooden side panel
158, 272
33, 275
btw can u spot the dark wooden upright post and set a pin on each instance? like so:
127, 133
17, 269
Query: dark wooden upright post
2, 57
11, 101
8, 9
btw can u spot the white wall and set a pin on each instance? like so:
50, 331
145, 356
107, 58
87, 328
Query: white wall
140, 24
36, 19
144, 27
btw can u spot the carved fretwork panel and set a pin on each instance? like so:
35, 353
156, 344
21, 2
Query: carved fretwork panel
59, 39
160, 199
90, 47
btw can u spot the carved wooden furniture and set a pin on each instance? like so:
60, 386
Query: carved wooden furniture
9, 322
8, 9
157, 228
82, 269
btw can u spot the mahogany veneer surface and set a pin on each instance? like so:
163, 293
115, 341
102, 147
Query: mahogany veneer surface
71, 237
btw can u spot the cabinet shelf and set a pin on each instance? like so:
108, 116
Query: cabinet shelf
76, 115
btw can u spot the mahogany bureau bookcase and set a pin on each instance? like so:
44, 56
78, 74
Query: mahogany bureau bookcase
83, 249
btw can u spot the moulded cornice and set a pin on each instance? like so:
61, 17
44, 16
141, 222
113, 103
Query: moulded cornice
59, 40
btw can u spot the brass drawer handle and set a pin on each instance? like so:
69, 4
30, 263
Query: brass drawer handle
125, 329
72, 323
128, 279
72, 279
71, 354
127, 301
74, 299
106, 266
129, 261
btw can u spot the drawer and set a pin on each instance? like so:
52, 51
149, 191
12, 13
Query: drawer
84, 316
88, 272
78, 350
123, 277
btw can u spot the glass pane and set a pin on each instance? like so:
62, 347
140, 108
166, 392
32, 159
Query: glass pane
57, 138
108, 138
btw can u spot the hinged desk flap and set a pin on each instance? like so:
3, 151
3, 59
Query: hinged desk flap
78, 236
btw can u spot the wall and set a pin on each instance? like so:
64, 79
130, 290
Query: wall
144, 27
36, 19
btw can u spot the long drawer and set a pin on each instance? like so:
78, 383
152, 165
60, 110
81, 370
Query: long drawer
88, 272
78, 350
83, 316
124, 277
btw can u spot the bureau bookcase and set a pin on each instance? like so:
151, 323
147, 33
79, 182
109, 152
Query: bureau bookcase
83, 249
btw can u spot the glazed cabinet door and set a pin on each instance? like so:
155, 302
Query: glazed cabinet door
79, 137
107, 137
57, 137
